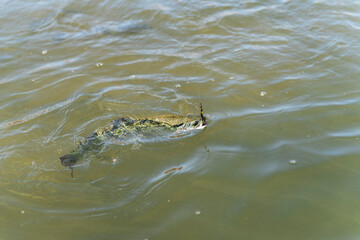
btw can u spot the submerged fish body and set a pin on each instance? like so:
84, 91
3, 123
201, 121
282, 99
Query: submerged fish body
122, 130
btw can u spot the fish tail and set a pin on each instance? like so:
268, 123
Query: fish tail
70, 159
203, 118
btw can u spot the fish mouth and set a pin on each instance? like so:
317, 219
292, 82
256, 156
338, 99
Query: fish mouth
201, 127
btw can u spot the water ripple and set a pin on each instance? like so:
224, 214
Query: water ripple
278, 81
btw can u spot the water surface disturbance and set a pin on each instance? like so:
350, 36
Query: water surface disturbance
279, 78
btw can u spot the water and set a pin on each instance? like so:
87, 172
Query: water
277, 79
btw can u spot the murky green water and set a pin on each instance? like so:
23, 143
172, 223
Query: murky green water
278, 79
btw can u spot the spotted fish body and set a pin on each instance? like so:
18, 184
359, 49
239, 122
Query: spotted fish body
122, 130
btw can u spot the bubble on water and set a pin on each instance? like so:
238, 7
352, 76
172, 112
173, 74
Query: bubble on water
44, 52
22, 212
99, 64
177, 85
168, 200
231, 78
292, 161
263, 93
197, 212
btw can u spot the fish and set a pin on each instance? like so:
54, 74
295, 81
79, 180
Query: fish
123, 129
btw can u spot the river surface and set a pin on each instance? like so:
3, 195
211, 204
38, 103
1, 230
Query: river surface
279, 82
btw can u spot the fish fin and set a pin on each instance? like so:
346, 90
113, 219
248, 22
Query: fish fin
69, 159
